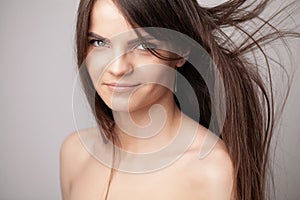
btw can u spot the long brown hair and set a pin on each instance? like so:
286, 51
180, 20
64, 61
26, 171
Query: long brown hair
249, 121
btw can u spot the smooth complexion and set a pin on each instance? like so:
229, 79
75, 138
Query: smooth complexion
83, 177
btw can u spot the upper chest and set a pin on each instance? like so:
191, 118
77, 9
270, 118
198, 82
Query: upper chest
172, 182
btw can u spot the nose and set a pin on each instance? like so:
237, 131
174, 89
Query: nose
121, 65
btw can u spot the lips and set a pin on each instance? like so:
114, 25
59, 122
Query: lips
121, 87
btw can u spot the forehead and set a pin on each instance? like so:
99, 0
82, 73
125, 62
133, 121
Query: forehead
106, 20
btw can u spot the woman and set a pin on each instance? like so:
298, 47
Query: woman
141, 65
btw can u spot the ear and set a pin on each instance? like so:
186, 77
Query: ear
183, 59
180, 62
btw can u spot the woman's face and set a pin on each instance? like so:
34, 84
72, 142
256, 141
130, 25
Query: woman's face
123, 72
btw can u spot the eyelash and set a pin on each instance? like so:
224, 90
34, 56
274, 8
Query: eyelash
93, 42
144, 45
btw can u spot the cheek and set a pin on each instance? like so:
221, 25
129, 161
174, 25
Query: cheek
157, 79
157, 72
96, 62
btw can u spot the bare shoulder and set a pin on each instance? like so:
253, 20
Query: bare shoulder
72, 150
213, 173
217, 166
74, 147
72, 153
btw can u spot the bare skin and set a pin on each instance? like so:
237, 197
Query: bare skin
84, 177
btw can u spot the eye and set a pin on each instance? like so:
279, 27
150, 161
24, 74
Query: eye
145, 46
98, 43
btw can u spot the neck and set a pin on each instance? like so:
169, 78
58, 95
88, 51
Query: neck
147, 129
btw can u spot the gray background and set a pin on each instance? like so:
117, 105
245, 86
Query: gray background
37, 71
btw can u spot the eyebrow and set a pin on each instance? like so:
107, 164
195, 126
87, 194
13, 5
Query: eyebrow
133, 41
98, 37
141, 39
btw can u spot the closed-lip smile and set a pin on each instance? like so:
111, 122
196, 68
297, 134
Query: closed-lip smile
121, 87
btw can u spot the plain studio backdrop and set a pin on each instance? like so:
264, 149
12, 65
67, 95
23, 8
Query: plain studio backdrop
37, 72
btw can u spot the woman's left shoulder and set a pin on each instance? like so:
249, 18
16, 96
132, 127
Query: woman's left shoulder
212, 171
